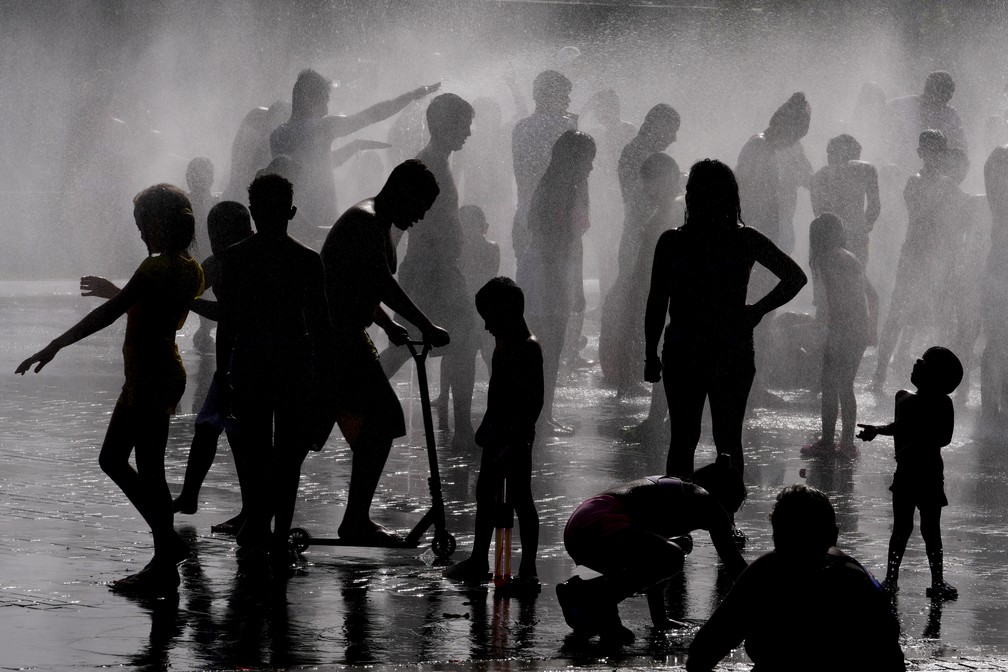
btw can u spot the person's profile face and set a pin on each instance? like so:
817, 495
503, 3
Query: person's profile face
918, 375
491, 322
458, 132
409, 211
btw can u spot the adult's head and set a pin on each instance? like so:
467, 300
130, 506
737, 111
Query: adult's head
164, 216
932, 146
310, 97
661, 124
449, 119
803, 521
228, 222
826, 233
790, 122
937, 370
842, 148
996, 183
473, 220
938, 88
551, 92
572, 156
712, 196
408, 194
271, 203
606, 106
659, 177
871, 101
199, 175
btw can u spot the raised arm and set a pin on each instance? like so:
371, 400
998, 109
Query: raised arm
338, 126
657, 307
792, 277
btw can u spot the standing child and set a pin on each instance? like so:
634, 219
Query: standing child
848, 329
156, 301
514, 401
923, 425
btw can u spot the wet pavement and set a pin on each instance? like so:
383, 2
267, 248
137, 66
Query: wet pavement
67, 532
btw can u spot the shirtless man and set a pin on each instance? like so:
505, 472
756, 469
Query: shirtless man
910, 115
360, 260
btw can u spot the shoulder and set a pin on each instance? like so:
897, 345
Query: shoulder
904, 395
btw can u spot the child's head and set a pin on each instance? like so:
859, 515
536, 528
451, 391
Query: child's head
659, 178
164, 215
199, 175
501, 303
474, 223
956, 164
826, 233
228, 222
803, 521
723, 483
842, 148
937, 370
931, 147
271, 200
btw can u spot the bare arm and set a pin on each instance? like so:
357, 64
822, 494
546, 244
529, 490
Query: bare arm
657, 307
347, 151
207, 308
792, 277
396, 333
396, 298
338, 126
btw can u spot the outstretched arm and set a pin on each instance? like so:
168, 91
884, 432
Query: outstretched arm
657, 306
338, 126
347, 151
792, 277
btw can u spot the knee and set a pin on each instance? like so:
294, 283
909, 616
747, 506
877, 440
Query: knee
111, 464
902, 529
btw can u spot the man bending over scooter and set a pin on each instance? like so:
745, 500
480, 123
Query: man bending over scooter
360, 260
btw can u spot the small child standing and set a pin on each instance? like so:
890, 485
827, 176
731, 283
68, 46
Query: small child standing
156, 300
846, 295
514, 401
923, 425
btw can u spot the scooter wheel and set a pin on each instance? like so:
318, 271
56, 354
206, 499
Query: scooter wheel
299, 539
443, 545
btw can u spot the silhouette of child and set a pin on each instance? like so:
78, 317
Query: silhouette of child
514, 401
994, 361
636, 536
228, 223
848, 329
923, 426
156, 301
360, 260
273, 328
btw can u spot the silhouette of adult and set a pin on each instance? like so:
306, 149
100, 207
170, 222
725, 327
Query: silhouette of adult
909, 116
532, 143
550, 268
250, 150
431, 269
308, 135
700, 276
994, 361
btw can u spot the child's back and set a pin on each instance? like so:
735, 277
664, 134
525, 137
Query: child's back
515, 395
846, 306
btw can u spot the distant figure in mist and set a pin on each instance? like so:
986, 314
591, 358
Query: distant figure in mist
923, 425
805, 604
994, 361
931, 202
532, 141
199, 180
870, 121
700, 277
480, 261
250, 150
849, 329
156, 301
308, 135
550, 268
636, 535
655, 135
506, 435
360, 263
273, 329
909, 116
228, 223
848, 187
431, 271
621, 339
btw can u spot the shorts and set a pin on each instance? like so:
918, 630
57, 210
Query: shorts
210, 412
593, 522
364, 401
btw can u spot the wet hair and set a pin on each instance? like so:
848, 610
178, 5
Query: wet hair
228, 222
285, 167
199, 173
940, 86
501, 296
446, 110
413, 177
956, 164
996, 183
661, 115
944, 368
826, 232
803, 520
659, 166
723, 483
309, 89
271, 194
167, 207
548, 84
793, 117
572, 146
933, 141
842, 148
712, 195
472, 217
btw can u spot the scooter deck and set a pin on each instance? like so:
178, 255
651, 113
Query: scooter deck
335, 541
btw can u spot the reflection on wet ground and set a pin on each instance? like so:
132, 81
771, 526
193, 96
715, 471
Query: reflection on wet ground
67, 532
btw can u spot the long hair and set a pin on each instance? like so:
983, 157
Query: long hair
712, 196
561, 186
826, 233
